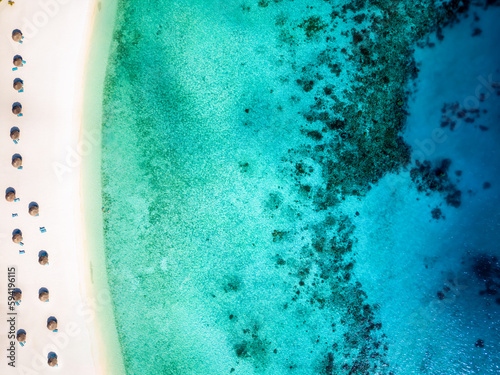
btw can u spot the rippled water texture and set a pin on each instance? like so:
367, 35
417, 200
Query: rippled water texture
245, 145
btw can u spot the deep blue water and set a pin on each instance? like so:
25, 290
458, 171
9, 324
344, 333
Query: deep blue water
277, 197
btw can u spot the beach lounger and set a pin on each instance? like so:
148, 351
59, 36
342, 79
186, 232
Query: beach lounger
43, 230
16, 200
14, 215
16, 141
21, 251
21, 167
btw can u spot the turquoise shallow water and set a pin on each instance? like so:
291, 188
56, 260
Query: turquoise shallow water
240, 142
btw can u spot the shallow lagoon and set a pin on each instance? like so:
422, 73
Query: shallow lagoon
248, 229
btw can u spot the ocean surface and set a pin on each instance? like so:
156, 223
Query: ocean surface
304, 187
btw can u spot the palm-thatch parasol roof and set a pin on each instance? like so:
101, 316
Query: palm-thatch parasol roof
17, 35
21, 337
43, 296
18, 61
52, 361
17, 295
17, 237
18, 85
15, 133
43, 260
34, 210
17, 162
52, 325
16, 109
10, 196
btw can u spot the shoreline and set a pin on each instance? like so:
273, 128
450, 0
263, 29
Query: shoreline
91, 192
57, 49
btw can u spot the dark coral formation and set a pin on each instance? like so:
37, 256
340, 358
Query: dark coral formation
351, 113
437, 179
487, 270
354, 138
453, 113
437, 213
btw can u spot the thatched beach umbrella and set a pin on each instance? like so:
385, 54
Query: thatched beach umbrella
15, 133
43, 259
17, 237
18, 84
52, 324
34, 210
18, 61
17, 295
17, 109
21, 336
17, 35
52, 361
10, 196
43, 295
17, 162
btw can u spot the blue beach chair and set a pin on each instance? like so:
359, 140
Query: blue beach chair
43, 230
18, 302
20, 167
14, 215
21, 251
16, 200
20, 243
16, 141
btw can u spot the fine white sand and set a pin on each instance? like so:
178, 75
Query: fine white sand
57, 37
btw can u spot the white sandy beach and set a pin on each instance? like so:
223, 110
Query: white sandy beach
57, 38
